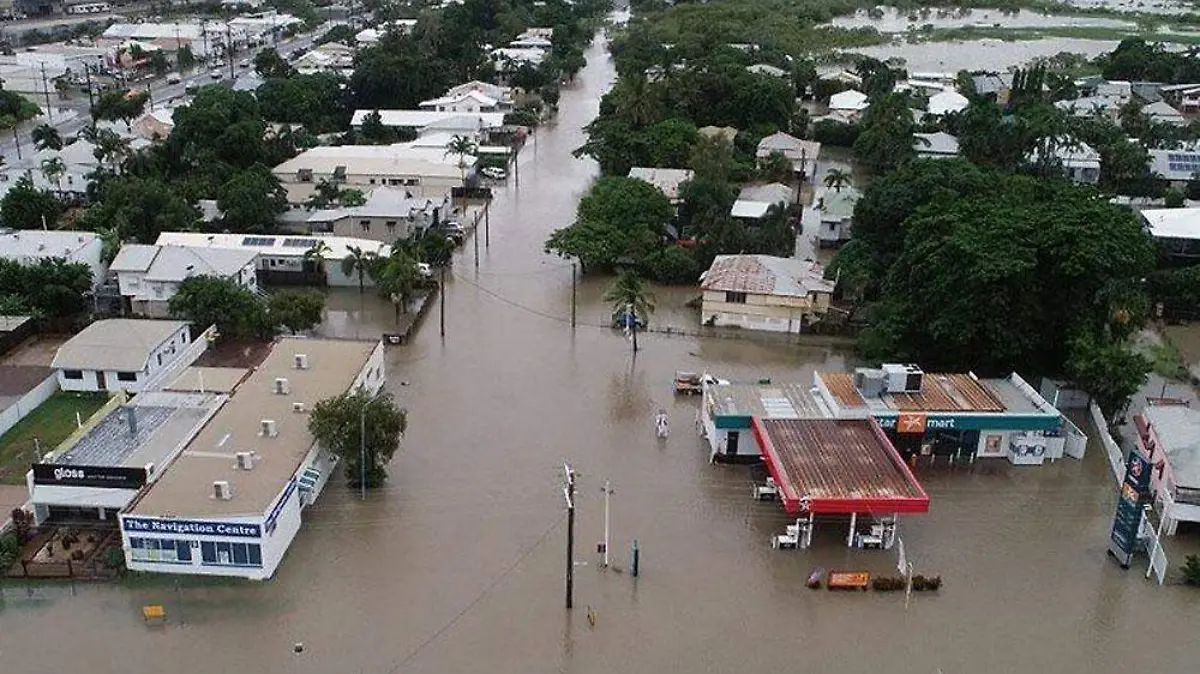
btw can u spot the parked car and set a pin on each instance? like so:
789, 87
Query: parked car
244, 64
216, 74
451, 230
620, 320
493, 172
174, 78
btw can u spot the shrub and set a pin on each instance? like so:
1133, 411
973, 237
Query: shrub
114, 558
672, 265
22, 524
1191, 570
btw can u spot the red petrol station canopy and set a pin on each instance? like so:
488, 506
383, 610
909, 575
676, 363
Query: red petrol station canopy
837, 466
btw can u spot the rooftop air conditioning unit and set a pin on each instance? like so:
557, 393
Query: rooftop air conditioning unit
897, 377
301, 361
299, 408
268, 428
222, 490
914, 378
281, 386
871, 383
245, 460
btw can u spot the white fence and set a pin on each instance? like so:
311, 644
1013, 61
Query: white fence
28, 403
189, 355
1116, 457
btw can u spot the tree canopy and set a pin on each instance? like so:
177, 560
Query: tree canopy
209, 300
24, 206
338, 424
50, 288
621, 218
296, 310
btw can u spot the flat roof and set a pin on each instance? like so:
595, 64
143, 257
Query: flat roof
207, 379
939, 393
186, 488
1178, 431
423, 118
115, 344
837, 466
771, 401
276, 245
1009, 395
401, 159
161, 424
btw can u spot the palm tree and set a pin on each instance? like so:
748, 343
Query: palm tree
836, 179
630, 295
54, 168
462, 147
359, 262
316, 256
46, 136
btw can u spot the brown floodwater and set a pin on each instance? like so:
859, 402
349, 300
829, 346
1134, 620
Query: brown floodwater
457, 565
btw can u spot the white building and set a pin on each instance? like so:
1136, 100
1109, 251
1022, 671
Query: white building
1078, 160
149, 276
850, 100
502, 94
947, 102
422, 171
836, 209
668, 181
232, 502
939, 145
389, 215
424, 121
1161, 112
755, 201
28, 246
767, 69
512, 58
469, 101
119, 354
802, 153
286, 259
327, 58
762, 292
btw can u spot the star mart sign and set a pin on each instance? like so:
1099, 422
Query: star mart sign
920, 423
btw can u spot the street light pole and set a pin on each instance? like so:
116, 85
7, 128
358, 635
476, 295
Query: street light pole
607, 493
362, 452
569, 493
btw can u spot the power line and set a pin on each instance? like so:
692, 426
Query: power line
478, 598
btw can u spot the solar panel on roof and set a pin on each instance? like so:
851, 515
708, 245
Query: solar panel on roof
299, 243
258, 241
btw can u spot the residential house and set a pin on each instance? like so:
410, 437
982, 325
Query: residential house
288, 259
1093, 107
802, 153
504, 96
29, 246
1185, 97
767, 69
946, 102
248, 82
850, 100
668, 181
1176, 166
836, 209
332, 57
755, 201
368, 37
1146, 92
422, 171
1160, 112
531, 42
119, 354
1080, 162
469, 101
762, 292
149, 276
390, 214
508, 59
938, 145
1177, 230
79, 162
996, 86
156, 124
478, 124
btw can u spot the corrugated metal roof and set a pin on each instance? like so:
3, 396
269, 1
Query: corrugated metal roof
765, 275
939, 393
837, 466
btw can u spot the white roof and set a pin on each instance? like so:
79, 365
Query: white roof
402, 159
752, 210
947, 101
382, 202
767, 69
765, 275
116, 344
939, 143
850, 99
530, 55
276, 246
1175, 164
368, 36
1178, 431
1162, 111
430, 118
34, 244
793, 148
153, 31
668, 181
771, 193
1173, 223
176, 263
531, 41
134, 257
479, 97
495, 91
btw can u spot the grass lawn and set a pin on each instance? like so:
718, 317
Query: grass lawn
50, 423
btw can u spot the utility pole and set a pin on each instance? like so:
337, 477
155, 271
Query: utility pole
607, 493
574, 301
46, 87
442, 297
475, 241
487, 224
362, 453
87, 70
230, 50
569, 493
17, 140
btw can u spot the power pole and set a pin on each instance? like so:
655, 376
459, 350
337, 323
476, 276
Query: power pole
46, 87
230, 50
362, 454
87, 71
487, 224
17, 140
574, 300
442, 297
475, 241
607, 493
569, 493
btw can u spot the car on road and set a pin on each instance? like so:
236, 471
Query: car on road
216, 74
451, 230
244, 64
174, 78
620, 320
493, 172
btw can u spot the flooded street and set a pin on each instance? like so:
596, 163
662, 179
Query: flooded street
457, 565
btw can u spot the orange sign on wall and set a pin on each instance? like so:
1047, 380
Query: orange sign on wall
910, 423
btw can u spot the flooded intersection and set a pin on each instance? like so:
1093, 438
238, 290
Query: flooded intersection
457, 566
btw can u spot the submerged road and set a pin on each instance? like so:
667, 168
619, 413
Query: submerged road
457, 565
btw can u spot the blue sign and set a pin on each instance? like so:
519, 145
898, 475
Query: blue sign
1135, 491
191, 527
274, 515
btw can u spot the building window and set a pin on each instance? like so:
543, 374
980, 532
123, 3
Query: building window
126, 376
169, 551
230, 554
365, 224
372, 181
390, 224
735, 298
73, 374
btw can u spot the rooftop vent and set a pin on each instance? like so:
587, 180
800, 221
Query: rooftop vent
222, 490
281, 386
245, 460
268, 428
299, 408
301, 361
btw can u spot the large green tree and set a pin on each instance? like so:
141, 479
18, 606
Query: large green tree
620, 219
51, 288
140, 209
27, 207
361, 429
209, 300
296, 310
251, 200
